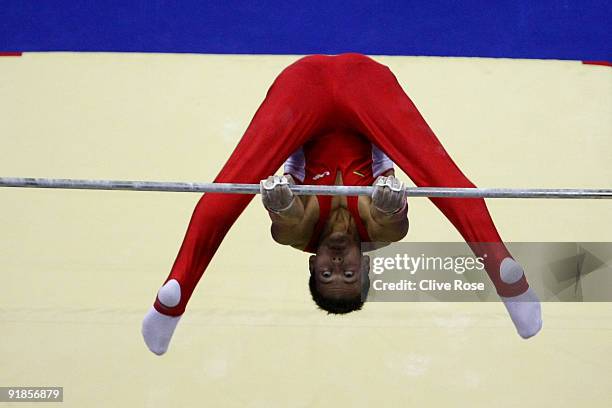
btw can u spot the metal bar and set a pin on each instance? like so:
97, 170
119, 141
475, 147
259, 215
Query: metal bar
231, 188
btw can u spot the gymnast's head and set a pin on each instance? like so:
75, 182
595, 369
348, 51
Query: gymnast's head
339, 279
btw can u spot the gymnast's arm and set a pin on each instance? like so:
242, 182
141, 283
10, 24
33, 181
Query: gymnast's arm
285, 209
388, 209
288, 227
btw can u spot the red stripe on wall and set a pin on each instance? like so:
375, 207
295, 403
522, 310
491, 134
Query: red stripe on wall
604, 63
10, 54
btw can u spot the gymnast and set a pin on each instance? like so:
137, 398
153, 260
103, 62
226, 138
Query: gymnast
337, 120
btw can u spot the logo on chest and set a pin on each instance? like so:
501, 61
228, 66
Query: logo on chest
321, 175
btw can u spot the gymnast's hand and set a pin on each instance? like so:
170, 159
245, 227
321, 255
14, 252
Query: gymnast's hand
276, 194
389, 196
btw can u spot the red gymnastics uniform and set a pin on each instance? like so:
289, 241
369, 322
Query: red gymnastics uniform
318, 163
316, 96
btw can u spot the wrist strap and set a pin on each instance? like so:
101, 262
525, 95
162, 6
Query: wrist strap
399, 210
281, 210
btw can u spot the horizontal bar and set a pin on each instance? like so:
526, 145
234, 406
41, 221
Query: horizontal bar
231, 188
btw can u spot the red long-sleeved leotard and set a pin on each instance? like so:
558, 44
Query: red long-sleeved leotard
313, 95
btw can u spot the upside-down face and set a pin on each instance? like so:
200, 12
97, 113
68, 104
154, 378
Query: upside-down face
338, 270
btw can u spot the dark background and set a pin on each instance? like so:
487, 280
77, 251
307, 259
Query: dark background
577, 30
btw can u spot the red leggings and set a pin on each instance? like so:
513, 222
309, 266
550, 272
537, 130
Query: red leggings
314, 94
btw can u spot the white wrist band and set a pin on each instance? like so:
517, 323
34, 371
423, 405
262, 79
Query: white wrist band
281, 210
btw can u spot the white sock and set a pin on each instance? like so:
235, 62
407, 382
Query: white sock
157, 328
525, 312
525, 309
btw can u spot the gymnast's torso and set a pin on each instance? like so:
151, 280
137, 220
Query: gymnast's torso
337, 157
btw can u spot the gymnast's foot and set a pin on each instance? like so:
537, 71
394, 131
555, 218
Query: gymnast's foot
525, 312
525, 309
157, 328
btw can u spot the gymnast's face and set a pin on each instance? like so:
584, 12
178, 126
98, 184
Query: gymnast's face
337, 267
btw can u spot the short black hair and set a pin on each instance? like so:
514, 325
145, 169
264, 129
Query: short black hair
340, 306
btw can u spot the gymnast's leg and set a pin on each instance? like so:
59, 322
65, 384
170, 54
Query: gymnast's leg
376, 105
296, 107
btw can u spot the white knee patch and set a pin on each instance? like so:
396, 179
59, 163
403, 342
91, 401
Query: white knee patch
170, 294
510, 271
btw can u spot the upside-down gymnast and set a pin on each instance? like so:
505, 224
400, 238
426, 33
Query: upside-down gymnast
332, 117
